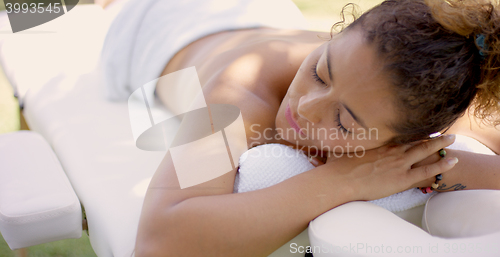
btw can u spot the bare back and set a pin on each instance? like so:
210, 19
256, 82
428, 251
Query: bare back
251, 69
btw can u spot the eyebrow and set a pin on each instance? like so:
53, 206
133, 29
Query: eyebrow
355, 117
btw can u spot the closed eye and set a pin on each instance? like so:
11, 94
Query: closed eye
315, 73
339, 124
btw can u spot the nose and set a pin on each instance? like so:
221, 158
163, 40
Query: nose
313, 106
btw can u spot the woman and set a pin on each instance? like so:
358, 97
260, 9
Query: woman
401, 72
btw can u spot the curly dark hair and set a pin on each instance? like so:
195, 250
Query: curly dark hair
438, 66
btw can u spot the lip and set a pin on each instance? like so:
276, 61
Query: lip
291, 120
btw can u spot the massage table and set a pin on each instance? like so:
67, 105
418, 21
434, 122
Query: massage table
80, 162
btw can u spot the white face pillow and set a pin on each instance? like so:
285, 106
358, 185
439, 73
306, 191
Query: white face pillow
270, 164
465, 213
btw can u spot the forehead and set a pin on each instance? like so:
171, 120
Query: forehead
360, 79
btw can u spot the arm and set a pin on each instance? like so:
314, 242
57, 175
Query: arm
207, 220
215, 222
477, 171
473, 171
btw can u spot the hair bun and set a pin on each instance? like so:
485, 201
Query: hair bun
479, 19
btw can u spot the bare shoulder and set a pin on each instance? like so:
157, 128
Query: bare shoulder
247, 84
250, 69
469, 125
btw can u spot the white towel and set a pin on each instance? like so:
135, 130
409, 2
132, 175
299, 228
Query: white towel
270, 164
146, 34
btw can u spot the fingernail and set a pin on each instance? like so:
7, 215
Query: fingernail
451, 137
313, 161
452, 161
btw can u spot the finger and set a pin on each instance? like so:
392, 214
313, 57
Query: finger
315, 161
410, 145
428, 171
391, 150
423, 150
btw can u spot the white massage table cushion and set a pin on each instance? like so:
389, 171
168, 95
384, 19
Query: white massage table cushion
468, 217
463, 213
37, 203
364, 229
53, 68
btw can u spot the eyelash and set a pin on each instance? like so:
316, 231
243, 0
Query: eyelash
341, 127
315, 74
317, 78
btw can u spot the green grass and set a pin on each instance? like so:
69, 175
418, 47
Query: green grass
63, 248
321, 14
4, 249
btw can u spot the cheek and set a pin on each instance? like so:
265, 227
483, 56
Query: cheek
338, 142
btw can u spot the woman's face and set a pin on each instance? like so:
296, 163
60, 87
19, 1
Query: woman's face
339, 100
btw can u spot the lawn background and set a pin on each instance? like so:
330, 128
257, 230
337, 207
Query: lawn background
321, 15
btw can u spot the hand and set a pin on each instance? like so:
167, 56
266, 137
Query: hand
433, 158
315, 161
389, 170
